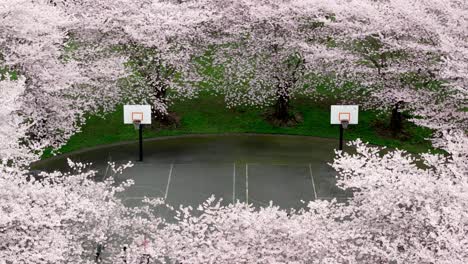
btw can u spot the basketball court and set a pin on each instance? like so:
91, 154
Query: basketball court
288, 186
287, 170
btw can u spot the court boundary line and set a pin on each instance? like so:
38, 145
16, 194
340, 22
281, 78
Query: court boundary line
333, 197
312, 179
168, 181
140, 198
234, 183
294, 164
246, 183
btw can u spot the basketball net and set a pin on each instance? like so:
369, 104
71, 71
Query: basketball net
344, 123
136, 124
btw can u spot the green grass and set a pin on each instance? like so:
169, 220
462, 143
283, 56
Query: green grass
208, 115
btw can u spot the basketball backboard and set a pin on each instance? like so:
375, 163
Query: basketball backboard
344, 113
134, 113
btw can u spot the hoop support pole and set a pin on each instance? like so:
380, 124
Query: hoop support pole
341, 136
140, 135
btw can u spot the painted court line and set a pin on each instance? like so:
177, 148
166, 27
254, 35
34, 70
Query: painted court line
247, 183
137, 197
334, 197
169, 181
312, 179
234, 183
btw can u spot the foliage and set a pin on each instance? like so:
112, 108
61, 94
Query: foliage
14, 128
403, 212
59, 82
61, 218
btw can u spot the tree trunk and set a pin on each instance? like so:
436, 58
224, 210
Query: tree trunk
162, 118
158, 116
282, 107
396, 120
285, 85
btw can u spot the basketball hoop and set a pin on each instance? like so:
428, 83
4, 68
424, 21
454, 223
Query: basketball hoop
344, 118
137, 124
345, 123
344, 115
138, 115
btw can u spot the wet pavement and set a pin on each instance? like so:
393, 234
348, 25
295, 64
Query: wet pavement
287, 170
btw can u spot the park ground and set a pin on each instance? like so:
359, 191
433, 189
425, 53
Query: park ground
208, 114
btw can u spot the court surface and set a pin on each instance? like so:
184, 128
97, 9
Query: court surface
288, 171
288, 186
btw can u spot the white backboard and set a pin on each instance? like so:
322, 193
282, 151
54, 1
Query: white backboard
139, 112
344, 112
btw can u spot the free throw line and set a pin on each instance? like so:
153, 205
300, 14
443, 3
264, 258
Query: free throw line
312, 179
169, 181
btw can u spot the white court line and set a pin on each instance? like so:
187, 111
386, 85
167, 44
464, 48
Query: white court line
247, 183
234, 183
312, 178
137, 197
168, 181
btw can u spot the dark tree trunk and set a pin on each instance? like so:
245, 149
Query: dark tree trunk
396, 120
159, 95
285, 85
282, 107
160, 118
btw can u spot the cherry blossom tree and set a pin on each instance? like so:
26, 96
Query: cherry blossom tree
267, 235
56, 115
32, 36
154, 35
62, 218
72, 63
60, 86
69, 64
446, 24
150, 83
267, 53
267, 49
395, 79
14, 128
408, 48
392, 48
407, 209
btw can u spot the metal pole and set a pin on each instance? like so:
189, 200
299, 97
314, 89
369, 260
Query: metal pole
140, 132
341, 137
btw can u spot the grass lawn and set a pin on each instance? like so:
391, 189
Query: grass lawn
208, 115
